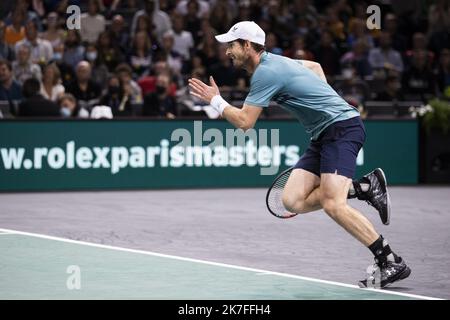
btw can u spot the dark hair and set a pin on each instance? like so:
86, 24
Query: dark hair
257, 47
31, 87
7, 63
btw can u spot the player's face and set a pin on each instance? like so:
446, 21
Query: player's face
236, 52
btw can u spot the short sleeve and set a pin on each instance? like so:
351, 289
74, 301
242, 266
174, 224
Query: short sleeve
263, 86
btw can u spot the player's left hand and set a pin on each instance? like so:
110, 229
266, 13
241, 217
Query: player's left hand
201, 90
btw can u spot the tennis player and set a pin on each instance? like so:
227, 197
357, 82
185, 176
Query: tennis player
323, 176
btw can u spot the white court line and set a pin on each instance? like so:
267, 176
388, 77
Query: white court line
258, 271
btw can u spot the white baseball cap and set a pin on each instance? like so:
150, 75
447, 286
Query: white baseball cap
245, 30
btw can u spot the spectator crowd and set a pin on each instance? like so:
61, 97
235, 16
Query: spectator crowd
134, 57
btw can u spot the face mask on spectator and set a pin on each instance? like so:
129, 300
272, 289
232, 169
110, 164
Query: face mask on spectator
65, 112
57, 56
91, 56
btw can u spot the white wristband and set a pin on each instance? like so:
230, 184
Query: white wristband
218, 103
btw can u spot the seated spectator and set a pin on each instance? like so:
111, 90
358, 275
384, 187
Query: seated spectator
51, 87
327, 54
385, 57
124, 72
183, 41
359, 32
100, 71
92, 23
120, 33
419, 43
83, 88
66, 70
159, 18
419, 79
34, 104
272, 44
145, 24
203, 7
443, 72
73, 49
109, 53
399, 41
117, 98
352, 89
5, 50
54, 33
41, 50
358, 59
392, 91
10, 89
173, 58
140, 56
70, 108
160, 103
15, 32
298, 44
23, 68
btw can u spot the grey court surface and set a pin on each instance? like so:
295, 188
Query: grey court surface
210, 244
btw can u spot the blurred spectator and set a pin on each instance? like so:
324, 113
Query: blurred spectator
124, 72
399, 41
82, 87
66, 70
357, 58
203, 8
327, 54
419, 79
119, 33
220, 17
335, 25
15, 32
34, 104
29, 13
140, 56
99, 72
117, 98
352, 89
145, 24
192, 22
109, 53
51, 88
173, 58
5, 50
69, 107
385, 57
298, 49
160, 103
73, 49
183, 41
160, 19
359, 32
419, 43
392, 90
272, 44
54, 33
10, 89
92, 23
41, 50
439, 25
207, 50
23, 68
443, 71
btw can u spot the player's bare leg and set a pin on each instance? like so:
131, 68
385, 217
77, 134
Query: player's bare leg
301, 192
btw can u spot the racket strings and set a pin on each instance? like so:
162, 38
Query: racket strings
275, 197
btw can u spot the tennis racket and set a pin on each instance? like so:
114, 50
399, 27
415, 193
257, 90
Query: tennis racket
274, 196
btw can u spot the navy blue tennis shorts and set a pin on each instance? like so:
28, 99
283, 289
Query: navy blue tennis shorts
336, 149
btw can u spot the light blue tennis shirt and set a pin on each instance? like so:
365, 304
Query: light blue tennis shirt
298, 90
